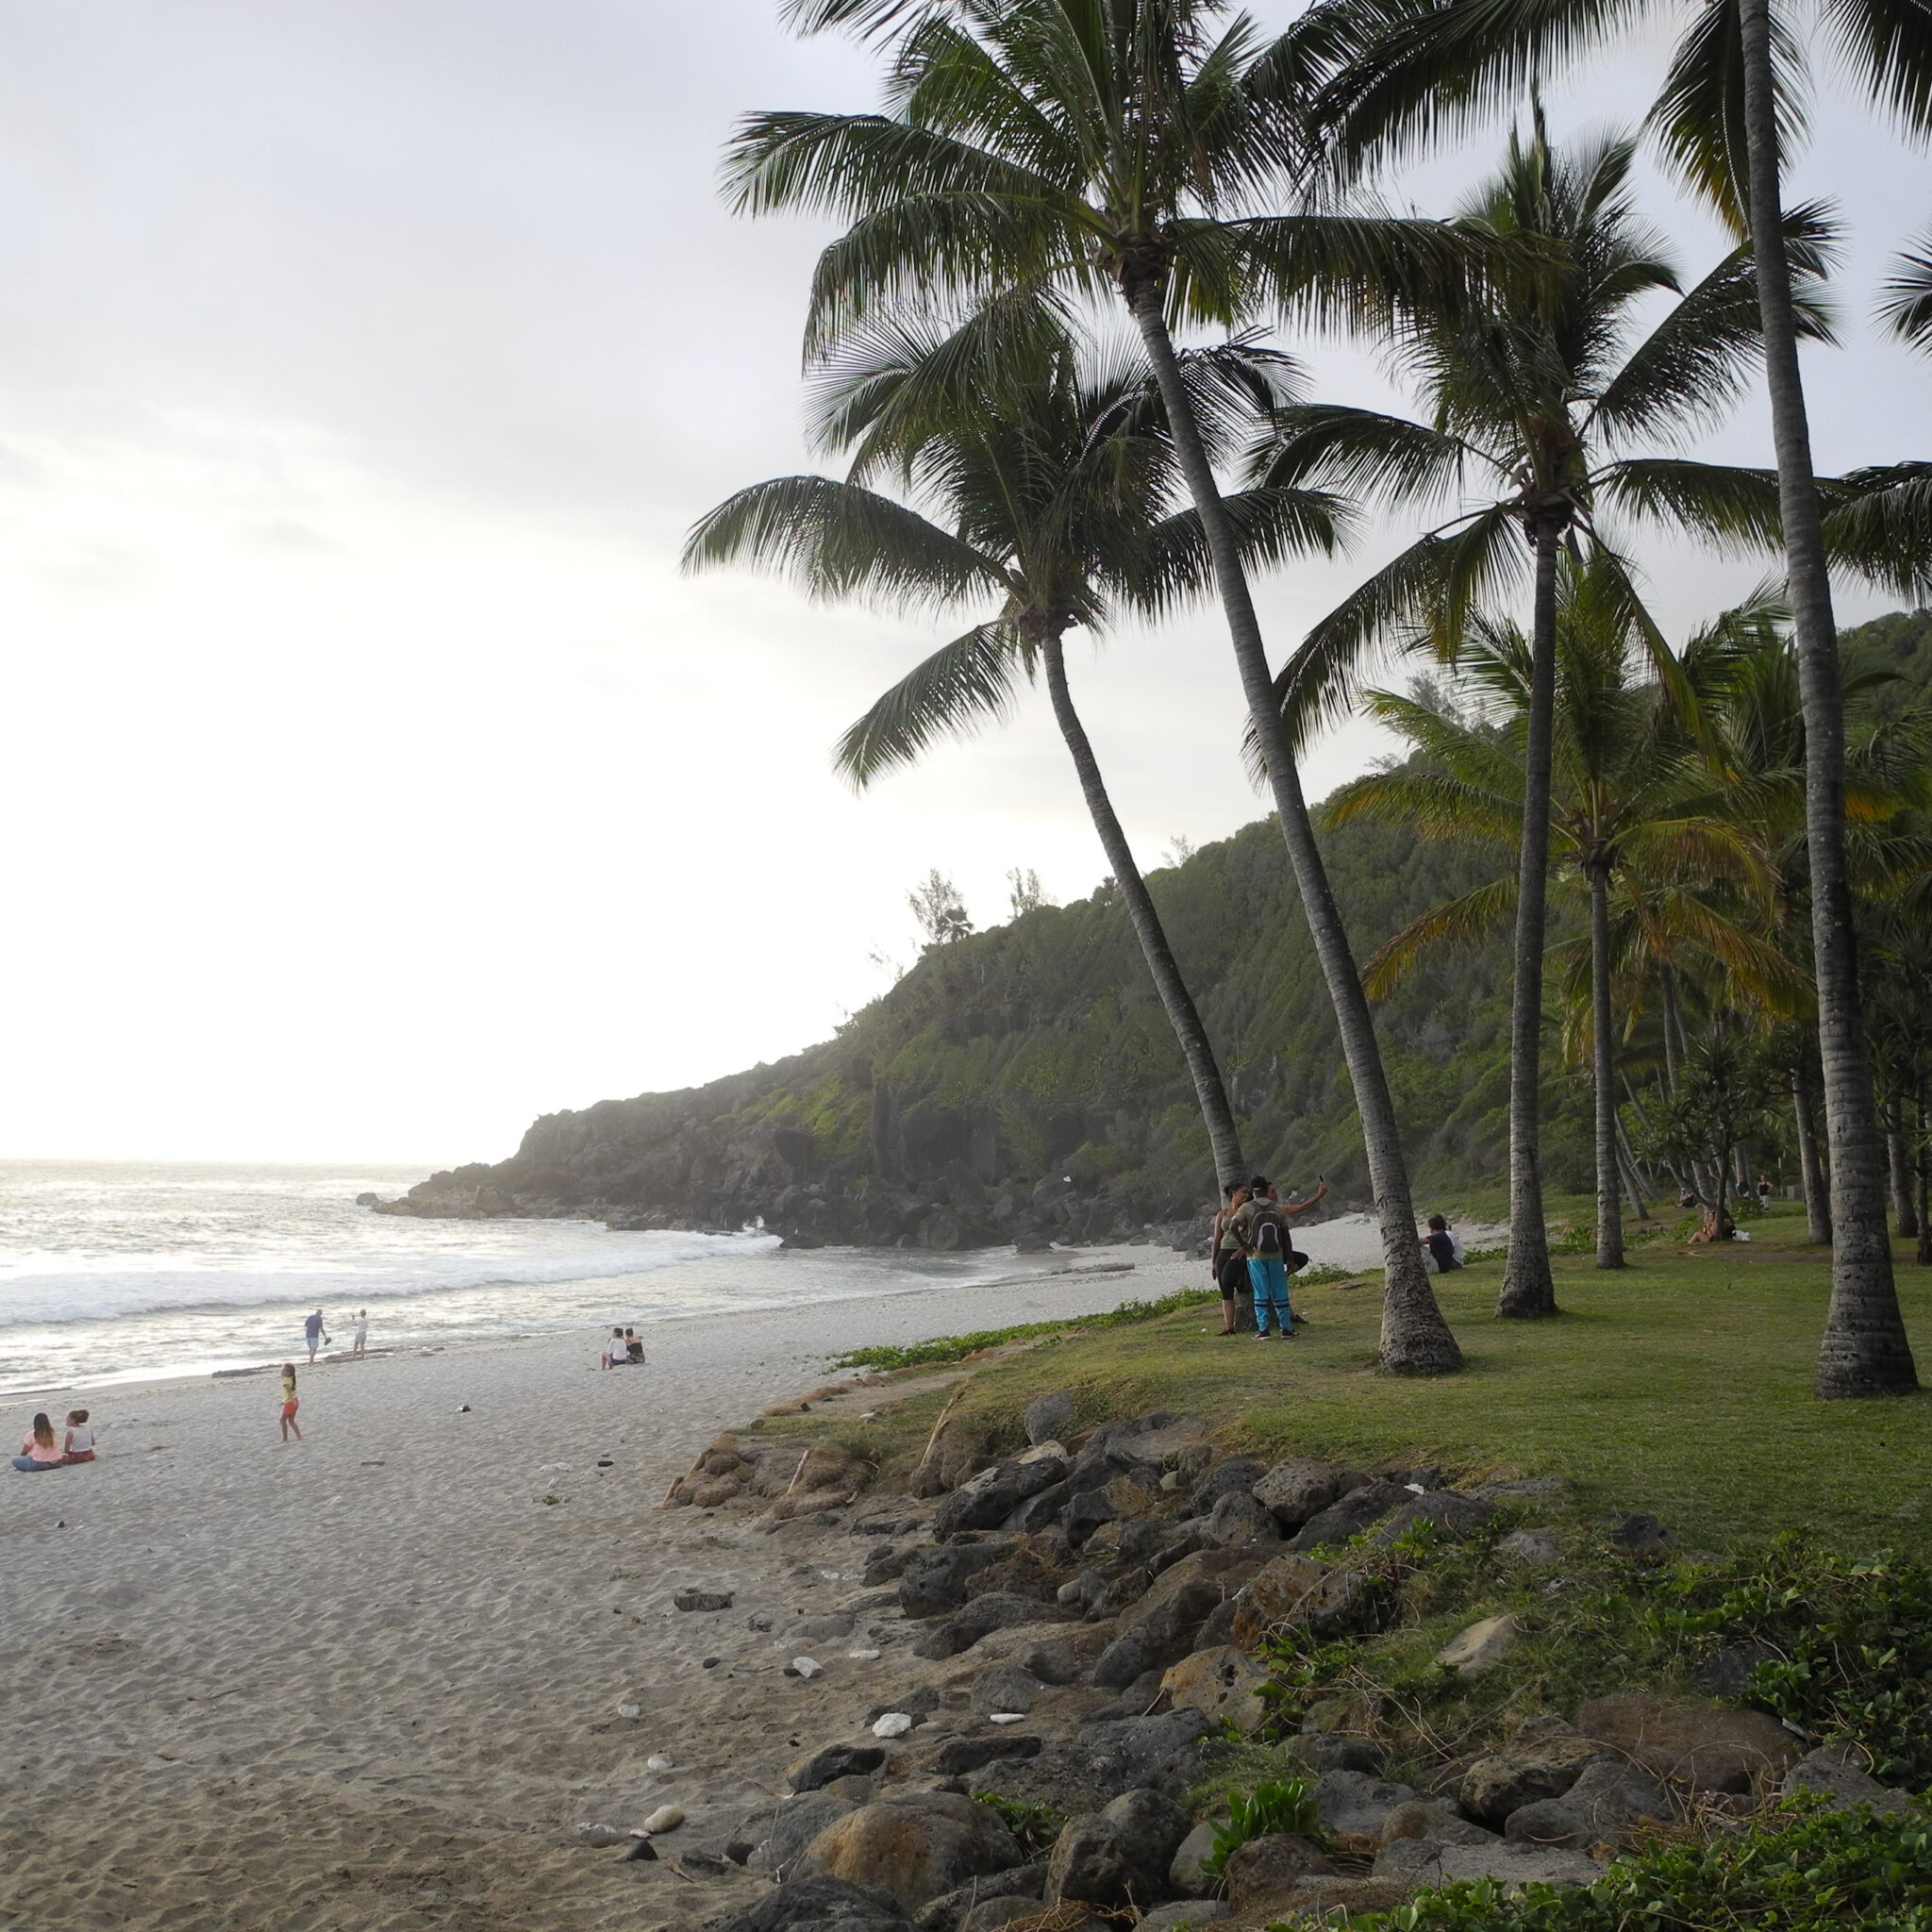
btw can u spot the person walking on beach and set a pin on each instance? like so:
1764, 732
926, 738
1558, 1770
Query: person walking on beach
78, 1443
291, 1403
358, 1339
1262, 1227
1224, 1256
39, 1451
311, 1332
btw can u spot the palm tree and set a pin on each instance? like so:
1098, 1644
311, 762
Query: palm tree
1096, 145
1537, 398
1050, 486
1405, 69
1628, 810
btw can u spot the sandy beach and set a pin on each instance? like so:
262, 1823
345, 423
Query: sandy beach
372, 1680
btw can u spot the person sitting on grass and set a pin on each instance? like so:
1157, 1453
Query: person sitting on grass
39, 1451
1446, 1246
78, 1443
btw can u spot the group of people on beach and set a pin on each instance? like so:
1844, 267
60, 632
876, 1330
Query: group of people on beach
316, 1334
621, 1350
48, 1448
1252, 1254
1252, 1251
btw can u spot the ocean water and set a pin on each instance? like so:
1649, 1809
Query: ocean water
113, 1271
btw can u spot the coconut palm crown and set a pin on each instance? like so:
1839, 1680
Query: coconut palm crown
1043, 483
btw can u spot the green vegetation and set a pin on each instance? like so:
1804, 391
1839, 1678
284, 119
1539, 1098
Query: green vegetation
1803, 1870
954, 1348
1035, 1825
1283, 1805
1680, 1385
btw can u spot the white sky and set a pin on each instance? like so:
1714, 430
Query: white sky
372, 782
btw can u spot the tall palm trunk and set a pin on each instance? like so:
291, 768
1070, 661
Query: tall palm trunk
1817, 1200
1864, 1350
1901, 1165
1528, 1288
1922, 1161
1603, 1049
1415, 1339
1182, 1014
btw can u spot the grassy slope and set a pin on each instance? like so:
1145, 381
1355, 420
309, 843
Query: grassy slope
1681, 1386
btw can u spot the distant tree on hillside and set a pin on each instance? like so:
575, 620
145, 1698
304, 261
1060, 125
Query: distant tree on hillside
940, 910
1024, 891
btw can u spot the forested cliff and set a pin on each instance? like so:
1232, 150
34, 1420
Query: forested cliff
1024, 1081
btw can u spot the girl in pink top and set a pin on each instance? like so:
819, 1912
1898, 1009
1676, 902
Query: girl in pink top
39, 1450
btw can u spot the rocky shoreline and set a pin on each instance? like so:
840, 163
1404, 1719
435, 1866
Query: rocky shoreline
1061, 1637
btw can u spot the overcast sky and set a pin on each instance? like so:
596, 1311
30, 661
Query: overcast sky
372, 781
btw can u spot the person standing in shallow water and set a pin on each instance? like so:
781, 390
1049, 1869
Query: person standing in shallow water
1261, 1226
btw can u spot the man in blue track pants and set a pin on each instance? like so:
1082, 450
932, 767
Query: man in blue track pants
1263, 1229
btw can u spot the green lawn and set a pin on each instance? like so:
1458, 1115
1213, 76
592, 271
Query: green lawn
1681, 1386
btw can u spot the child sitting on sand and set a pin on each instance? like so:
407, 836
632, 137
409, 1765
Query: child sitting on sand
80, 1444
39, 1451
289, 1402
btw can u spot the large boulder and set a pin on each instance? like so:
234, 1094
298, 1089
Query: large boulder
1354, 1806
956, 1757
1048, 1417
805, 1904
1059, 1775
1155, 1753
1604, 1804
1543, 1761
1297, 1592
1262, 1873
1367, 1504
1238, 1519
935, 1581
775, 1836
1451, 1516
990, 1497
915, 1847
998, 1610
1188, 1874
1701, 1747
1236, 1476
1295, 1490
1433, 1818
1120, 1855
1836, 1776
1223, 1683
951, 1910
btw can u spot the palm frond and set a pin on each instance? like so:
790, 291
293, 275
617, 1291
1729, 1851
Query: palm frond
1363, 453
839, 541
1419, 601
1465, 922
1271, 526
1732, 508
1699, 117
1888, 46
1881, 526
1697, 360
961, 687
1906, 306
